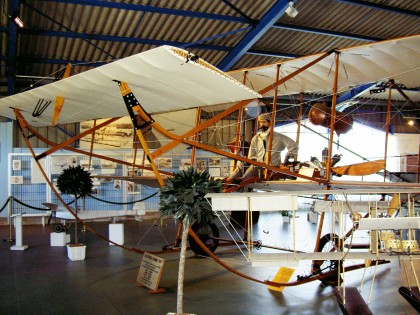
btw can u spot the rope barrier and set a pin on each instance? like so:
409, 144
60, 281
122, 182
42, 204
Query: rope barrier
31, 207
5, 204
35, 208
124, 203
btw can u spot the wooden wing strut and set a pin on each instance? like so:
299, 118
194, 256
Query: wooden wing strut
133, 107
59, 100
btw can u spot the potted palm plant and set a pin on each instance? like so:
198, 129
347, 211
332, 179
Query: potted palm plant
75, 181
184, 198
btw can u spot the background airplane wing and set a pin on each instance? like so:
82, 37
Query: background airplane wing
163, 79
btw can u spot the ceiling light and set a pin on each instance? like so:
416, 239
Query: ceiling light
410, 122
291, 10
16, 20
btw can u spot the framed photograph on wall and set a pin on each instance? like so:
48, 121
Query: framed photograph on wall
130, 187
214, 171
133, 188
59, 163
225, 171
165, 162
16, 165
108, 164
185, 164
214, 162
132, 173
16, 180
201, 165
85, 165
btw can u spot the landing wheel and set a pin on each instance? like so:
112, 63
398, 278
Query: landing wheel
329, 243
208, 235
58, 228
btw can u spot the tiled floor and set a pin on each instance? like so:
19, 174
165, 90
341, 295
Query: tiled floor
42, 280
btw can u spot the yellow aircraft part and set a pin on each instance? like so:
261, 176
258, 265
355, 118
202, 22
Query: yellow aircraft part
59, 101
282, 276
360, 169
394, 204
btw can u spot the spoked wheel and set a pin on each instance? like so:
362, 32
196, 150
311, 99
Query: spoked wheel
58, 228
328, 243
208, 235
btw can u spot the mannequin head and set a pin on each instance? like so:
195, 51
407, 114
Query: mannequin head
264, 122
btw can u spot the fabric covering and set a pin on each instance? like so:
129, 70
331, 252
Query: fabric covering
396, 59
163, 79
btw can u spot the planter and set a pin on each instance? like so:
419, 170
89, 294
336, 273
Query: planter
76, 251
286, 219
59, 239
313, 217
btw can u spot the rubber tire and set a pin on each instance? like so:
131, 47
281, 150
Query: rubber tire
205, 237
333, 279
59, 228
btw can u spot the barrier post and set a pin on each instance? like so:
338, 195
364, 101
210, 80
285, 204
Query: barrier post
10, 239
19, 238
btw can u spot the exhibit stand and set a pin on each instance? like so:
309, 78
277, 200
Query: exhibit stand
18, 233
59, 239
116, 233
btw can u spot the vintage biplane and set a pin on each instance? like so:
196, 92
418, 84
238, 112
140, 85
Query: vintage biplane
178, 97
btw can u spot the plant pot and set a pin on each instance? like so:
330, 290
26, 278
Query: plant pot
76, 251
286, 218
313, 217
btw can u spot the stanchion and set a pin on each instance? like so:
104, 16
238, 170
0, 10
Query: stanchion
19, 233
10, 239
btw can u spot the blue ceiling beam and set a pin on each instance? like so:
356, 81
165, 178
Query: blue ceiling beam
268, 20
192, 44
152, 9
100, 63
135, 40
319, 31
312, 30
108, 38
11, 51
381, 7
240, 12
68, 29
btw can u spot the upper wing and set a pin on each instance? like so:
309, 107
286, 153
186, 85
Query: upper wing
397, 59
163, 79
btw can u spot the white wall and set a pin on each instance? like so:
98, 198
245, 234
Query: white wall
6, 140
